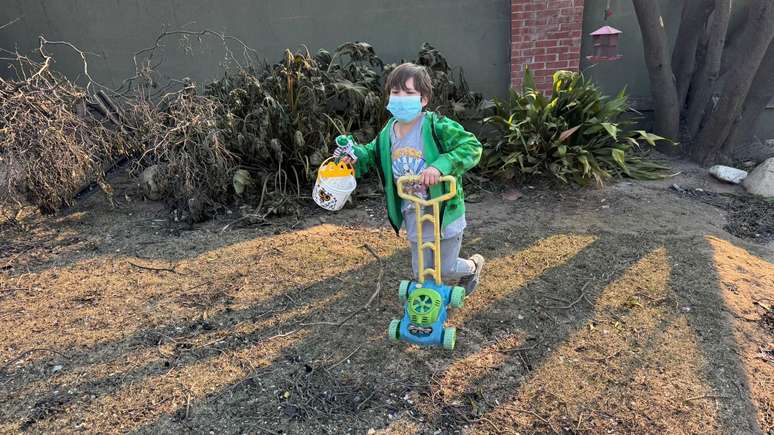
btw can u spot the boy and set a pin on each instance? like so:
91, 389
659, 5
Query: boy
421, 143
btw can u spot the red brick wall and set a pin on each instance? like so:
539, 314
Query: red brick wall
546, 35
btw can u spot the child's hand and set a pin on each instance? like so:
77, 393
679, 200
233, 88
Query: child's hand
347, 160
344, 150
430, 176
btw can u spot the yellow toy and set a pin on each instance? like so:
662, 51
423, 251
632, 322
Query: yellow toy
426, 301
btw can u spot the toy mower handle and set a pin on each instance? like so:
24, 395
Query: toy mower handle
427, 202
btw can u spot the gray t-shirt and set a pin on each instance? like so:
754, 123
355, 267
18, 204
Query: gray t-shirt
408, 159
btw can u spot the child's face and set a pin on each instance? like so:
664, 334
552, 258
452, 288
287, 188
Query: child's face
411, 91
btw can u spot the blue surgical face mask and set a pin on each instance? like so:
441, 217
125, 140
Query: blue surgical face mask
405, 109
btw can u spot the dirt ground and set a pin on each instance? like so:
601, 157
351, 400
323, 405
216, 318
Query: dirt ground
623, 310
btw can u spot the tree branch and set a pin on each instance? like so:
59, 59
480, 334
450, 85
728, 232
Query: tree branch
10, 23
662, 82
757, 36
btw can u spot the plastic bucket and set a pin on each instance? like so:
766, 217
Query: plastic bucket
335, 183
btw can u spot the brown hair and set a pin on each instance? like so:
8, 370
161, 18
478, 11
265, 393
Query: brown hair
399, 76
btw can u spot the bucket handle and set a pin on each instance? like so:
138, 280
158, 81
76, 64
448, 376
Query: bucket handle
326, 161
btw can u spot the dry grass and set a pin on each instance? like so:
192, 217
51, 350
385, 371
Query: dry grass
107, 299
634, 368
105, 307
747, 284
224, 331
507, 274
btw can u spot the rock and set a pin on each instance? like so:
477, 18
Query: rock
761, 179
150, 182
512, 195
727, 173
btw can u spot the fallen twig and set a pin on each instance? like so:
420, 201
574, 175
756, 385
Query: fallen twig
522, 349
28, 352
707, 396
367, 304
604, 359
360, 405
534, 414
159, 269
581, 297
187, 406
346, 357
280, 335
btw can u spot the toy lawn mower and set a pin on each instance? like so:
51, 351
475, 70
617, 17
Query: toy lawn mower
426, 300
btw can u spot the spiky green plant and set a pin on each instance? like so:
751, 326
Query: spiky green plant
576, 134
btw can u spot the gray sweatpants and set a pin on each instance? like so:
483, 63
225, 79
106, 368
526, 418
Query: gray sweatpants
452, 267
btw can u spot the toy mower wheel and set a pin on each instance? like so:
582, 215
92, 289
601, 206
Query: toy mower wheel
449, 338
457, 297
392, 330
403, 290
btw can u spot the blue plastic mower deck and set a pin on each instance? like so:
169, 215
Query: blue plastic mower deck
425, 312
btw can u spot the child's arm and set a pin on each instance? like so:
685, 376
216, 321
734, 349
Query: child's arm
464, 149
364, 155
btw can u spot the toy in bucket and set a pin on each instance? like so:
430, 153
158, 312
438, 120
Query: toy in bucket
426, 300
335, 182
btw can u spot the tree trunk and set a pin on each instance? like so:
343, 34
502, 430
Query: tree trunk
657, 60
759, 96
708, 71
692, 22
734, 52
758, 33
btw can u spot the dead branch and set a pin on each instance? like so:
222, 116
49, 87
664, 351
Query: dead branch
534, 414
52, 145
159, 269
144, 69
582, 296
522, 349
43, 42
346, 357
10, 23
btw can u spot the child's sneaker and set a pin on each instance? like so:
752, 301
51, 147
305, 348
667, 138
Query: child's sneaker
471, 282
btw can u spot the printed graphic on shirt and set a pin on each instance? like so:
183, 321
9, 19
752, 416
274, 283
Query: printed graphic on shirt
409, 161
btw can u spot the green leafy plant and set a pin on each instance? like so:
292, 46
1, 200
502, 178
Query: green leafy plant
576, 135
280, 120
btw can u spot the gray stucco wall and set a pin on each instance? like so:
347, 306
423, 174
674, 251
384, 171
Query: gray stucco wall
631, 71
473, 34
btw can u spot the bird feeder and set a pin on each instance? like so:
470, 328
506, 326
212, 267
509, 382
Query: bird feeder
605, 40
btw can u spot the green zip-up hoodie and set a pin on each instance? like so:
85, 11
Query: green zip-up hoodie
447, 147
